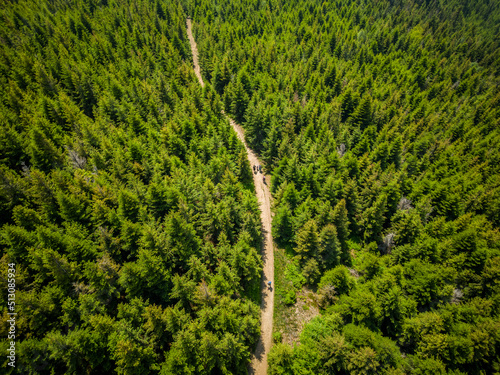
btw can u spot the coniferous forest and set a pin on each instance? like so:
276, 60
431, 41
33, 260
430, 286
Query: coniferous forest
128, 207
125, 199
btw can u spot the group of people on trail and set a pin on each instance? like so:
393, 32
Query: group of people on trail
258, 168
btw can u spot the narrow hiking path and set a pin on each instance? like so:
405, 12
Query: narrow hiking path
259, 359
194, 51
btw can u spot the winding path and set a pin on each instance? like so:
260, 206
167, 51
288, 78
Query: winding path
259, 359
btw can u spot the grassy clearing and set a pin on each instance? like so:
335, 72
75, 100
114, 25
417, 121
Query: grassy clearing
294, 305
282, 286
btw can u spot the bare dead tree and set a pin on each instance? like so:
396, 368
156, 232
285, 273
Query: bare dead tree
387, 243
341, 149
404, 204
77, 161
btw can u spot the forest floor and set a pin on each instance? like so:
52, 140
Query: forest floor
258, 365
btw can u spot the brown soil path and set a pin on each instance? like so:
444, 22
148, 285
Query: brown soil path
194, 51
259, 360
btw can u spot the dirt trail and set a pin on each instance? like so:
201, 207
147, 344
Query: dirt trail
259, 359
194, 51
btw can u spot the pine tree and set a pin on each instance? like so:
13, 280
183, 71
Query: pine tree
348, 105
238, 100
308, 244
374, 218
128, 205
255, 133
330, 246
43, 152
244, 170
282, 226
221, 75
330, 76
362, 116
341, 222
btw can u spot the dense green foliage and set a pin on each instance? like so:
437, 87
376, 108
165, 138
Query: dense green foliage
125, 198
379, 124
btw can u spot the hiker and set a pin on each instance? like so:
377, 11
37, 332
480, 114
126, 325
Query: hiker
260, 168
269, 283
254, 169
264, 179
